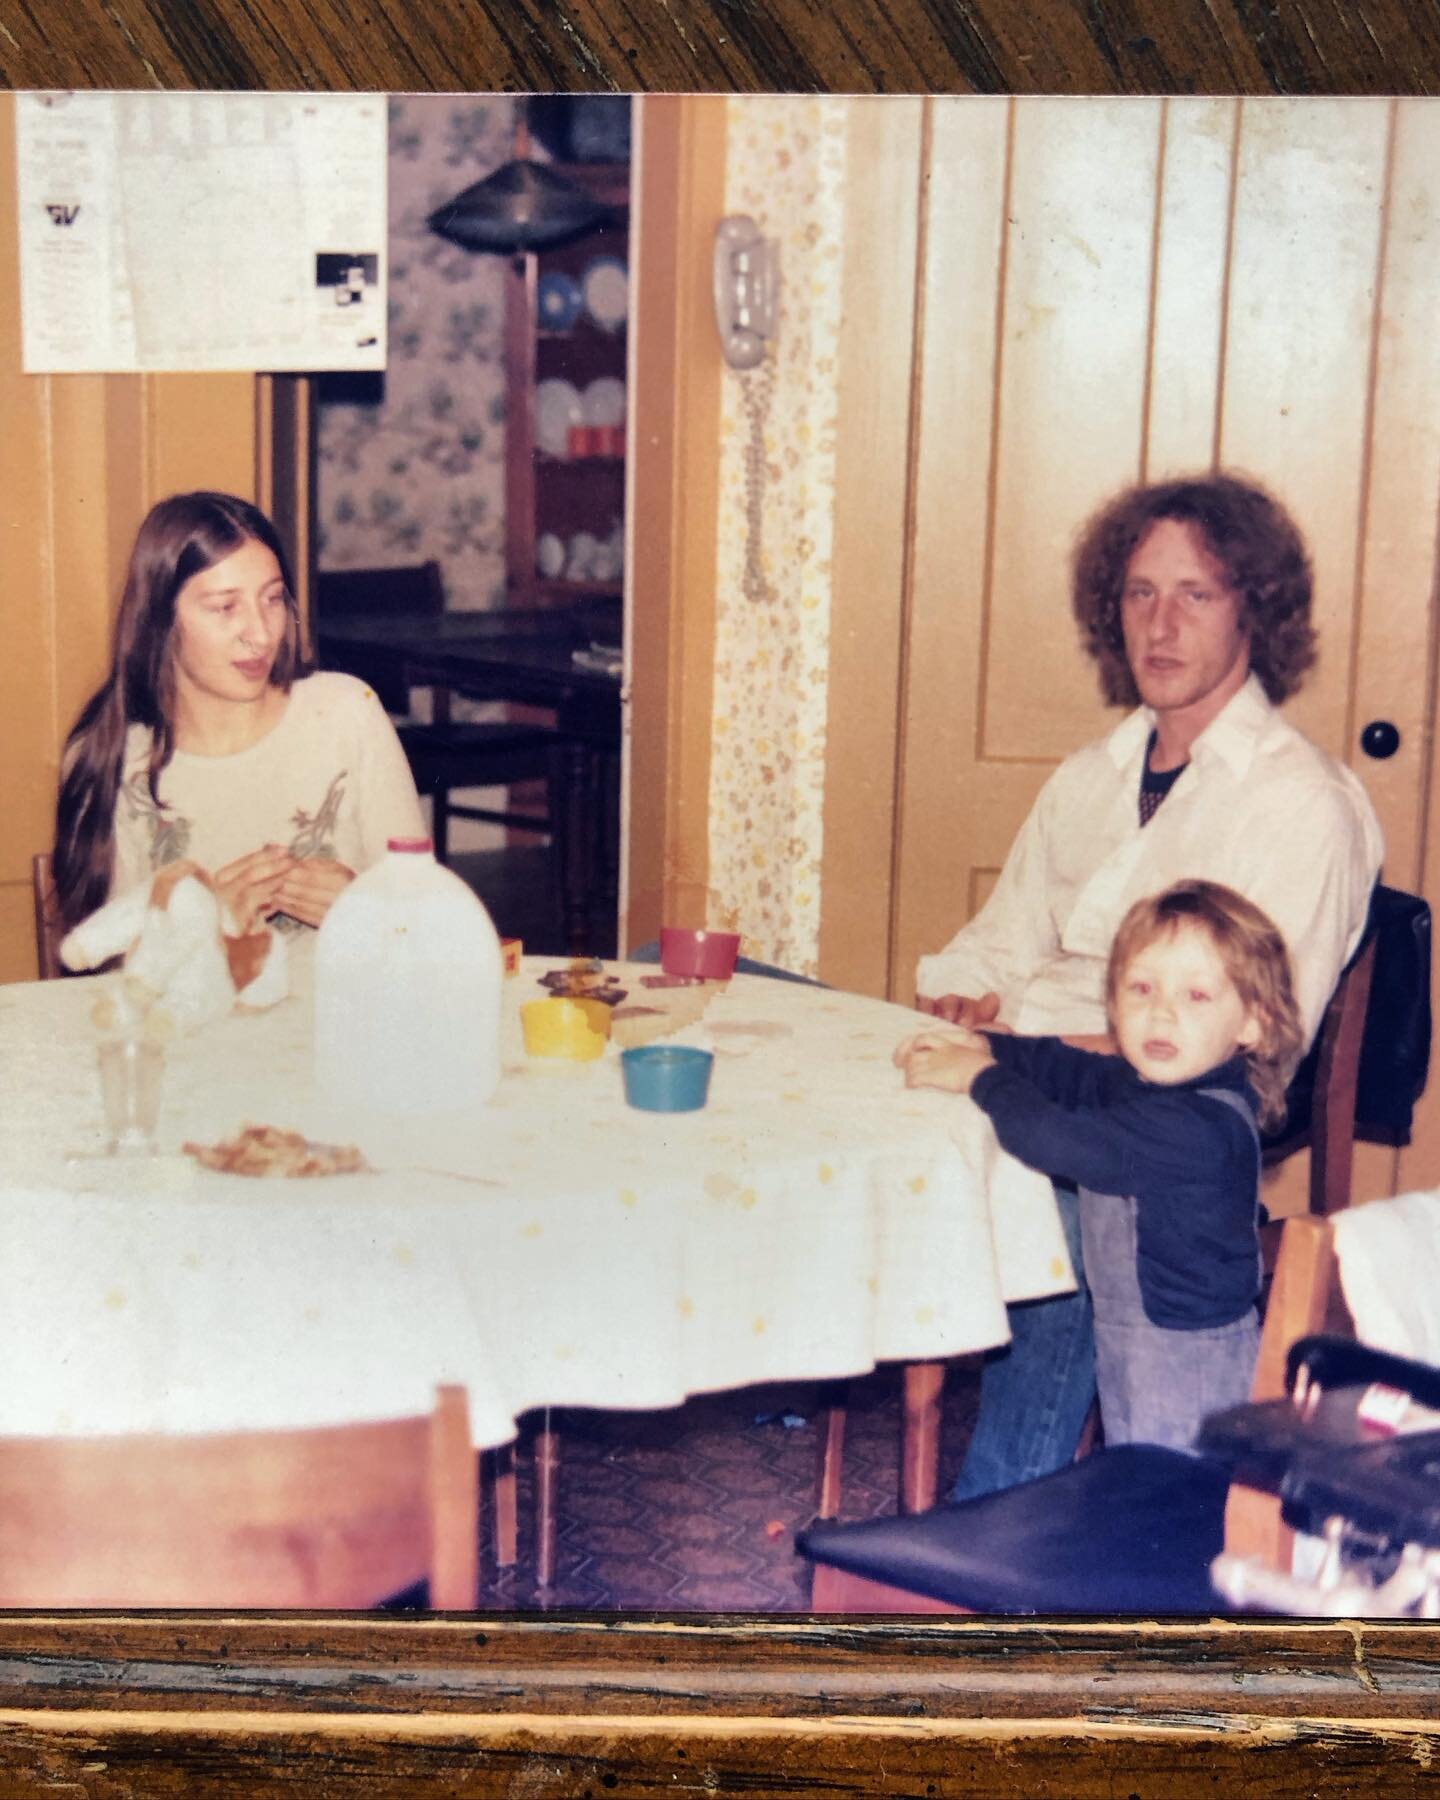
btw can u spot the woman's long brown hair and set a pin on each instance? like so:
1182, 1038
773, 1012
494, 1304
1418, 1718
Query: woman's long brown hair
180, 537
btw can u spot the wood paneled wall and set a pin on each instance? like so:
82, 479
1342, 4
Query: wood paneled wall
82, 458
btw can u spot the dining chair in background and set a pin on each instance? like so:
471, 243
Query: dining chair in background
1129, 1529
48, 929
447, 754
345, 1516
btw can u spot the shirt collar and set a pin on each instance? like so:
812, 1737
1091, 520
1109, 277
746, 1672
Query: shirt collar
1231, 735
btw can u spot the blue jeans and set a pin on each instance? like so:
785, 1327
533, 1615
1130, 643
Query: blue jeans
1035, 1393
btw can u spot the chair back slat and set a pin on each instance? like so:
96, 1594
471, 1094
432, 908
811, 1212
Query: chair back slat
1302, 1299
48, 928
336, 1517
1332, 1122
1369, 1062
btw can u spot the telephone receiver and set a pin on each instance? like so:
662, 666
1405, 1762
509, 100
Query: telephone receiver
747, 290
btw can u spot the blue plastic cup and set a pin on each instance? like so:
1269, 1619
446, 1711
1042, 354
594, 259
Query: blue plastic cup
668, 1078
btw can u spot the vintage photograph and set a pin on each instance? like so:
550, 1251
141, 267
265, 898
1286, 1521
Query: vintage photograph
720, 816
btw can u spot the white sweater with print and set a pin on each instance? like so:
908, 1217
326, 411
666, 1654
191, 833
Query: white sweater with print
330, 779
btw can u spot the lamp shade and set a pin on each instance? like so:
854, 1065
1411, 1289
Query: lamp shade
522, 206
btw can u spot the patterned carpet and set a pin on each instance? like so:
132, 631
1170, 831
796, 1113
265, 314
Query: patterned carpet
696, 1509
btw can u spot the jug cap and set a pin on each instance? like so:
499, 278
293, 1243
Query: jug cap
411, 846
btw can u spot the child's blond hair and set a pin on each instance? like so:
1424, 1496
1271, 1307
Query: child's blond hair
1254, 957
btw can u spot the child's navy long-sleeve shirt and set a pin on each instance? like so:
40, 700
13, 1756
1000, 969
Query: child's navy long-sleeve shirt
1189, 1159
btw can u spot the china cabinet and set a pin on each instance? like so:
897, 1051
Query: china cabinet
565, 341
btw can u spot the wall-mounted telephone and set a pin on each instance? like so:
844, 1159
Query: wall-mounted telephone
747, 277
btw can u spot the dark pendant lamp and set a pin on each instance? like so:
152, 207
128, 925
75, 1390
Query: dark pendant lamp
522, 206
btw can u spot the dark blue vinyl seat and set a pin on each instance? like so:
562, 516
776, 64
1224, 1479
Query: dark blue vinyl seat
1128, 1530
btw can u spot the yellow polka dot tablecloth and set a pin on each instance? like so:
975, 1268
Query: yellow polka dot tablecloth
550, 1248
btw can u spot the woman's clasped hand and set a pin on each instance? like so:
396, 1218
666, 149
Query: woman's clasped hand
271, 880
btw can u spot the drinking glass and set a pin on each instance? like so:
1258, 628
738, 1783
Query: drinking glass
130, 1076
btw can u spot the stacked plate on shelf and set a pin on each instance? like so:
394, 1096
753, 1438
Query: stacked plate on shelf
605, 286
569, 423
558, 300
585, 557
602, 291
557, 408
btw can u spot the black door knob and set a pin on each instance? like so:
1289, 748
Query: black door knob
1380, 739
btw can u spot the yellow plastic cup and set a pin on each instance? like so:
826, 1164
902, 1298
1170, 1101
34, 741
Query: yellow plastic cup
577, 1029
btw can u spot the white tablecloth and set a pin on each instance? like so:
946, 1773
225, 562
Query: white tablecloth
553, 1248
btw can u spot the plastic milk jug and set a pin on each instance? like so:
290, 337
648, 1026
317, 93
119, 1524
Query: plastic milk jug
408, 980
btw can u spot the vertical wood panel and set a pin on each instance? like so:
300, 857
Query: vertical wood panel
1297, 371
1397, 666
946, 819
1392, 625
1074, 346
285, 478
87, 584
1193, 224
1297, 395
872, 475
27, 669
670, 626
201, 434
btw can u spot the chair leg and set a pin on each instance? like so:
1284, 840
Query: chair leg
832, 1456
507, 1515
440, 824
571, 810
924, 1382
547, 1465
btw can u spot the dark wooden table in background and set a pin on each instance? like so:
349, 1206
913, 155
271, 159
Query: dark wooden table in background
258, 1707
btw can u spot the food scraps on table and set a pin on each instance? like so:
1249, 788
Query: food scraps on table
268, 1150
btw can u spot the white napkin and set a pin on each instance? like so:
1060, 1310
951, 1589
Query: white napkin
1389, 1256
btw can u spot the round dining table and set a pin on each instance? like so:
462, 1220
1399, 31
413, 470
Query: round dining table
551, 1248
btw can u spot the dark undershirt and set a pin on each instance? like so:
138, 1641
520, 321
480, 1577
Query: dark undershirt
1154, 787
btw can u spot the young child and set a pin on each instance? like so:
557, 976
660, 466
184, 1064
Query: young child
1161, 1141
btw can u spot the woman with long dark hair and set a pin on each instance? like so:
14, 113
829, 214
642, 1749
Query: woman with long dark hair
210, 740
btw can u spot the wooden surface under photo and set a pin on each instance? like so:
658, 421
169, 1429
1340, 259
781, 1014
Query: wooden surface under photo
541, 1705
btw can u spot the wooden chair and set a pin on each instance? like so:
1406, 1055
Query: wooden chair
340, 1517
446, 754
1129, 1529
1327, 1104
48, 929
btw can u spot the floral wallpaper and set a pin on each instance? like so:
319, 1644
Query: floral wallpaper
415, 467
786, 168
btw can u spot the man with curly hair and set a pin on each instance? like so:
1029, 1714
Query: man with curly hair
1193, 597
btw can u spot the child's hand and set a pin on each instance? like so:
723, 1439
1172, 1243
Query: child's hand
937, 1034
949, 1060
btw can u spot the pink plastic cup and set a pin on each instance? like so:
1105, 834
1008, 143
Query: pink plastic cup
710, 954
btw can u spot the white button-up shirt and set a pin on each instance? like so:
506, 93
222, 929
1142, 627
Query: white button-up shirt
1258, 807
